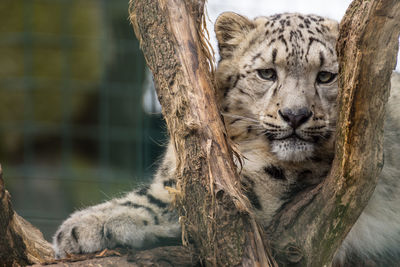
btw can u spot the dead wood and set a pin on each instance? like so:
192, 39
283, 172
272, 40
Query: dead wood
20, 242
213, 211
312, 227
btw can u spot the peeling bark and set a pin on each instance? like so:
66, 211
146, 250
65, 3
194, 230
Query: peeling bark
213, 210
20, 242
314, 225
174, 256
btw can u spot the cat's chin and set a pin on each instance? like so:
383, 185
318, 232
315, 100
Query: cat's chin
292, 149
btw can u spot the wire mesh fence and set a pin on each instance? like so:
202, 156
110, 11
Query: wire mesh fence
73, 130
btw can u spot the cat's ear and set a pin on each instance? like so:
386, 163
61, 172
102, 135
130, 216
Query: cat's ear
230, 28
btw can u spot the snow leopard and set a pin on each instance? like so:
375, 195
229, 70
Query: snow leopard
276, 86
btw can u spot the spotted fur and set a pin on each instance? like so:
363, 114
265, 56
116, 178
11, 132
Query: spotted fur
276, 86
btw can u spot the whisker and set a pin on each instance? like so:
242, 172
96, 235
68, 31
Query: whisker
240, 117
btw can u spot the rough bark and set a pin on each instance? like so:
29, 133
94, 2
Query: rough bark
20, 242
176, 256
313, 226
213, 211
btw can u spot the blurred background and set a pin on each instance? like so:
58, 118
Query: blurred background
73, 128
79, 119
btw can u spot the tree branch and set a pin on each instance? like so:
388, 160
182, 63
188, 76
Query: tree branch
213, 210
316, 222
20, 242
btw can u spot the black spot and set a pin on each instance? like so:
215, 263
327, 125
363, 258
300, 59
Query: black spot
316, 159
293, 190
108, 234
327, 135
226, 91
300, 34
145, 222
304, 175
136, 206
253, 41
311, 41
324, 28
256, 56
274, 52
227, 49
251, 195
293, 34
59, 237
158, 202
321, 59
249, 129
284, 42
170, 182
74, 234
143, 190
232, 81
275, 172
301, 25
102, 233
236, 81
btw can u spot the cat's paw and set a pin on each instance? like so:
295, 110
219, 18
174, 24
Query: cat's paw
81, 233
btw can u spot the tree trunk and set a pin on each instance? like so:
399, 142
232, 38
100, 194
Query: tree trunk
20, 242
213, 211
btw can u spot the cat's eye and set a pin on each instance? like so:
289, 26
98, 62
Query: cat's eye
267, 74
325, 77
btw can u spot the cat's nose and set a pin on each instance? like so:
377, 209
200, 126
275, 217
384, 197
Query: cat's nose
295, 118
